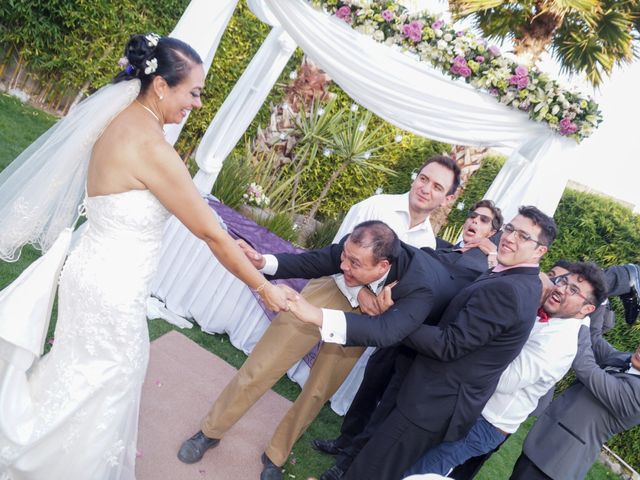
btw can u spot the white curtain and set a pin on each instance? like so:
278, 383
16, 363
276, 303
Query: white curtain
201, 26
412, 95
241, 106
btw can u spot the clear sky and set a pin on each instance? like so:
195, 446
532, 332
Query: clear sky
609, 160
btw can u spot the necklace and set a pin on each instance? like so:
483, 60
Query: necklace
149, 110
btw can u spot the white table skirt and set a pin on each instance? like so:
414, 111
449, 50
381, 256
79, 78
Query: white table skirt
193, 285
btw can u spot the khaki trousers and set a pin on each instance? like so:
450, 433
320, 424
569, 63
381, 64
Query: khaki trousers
285, 342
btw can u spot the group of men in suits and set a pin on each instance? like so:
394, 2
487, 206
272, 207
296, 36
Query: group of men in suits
445, 328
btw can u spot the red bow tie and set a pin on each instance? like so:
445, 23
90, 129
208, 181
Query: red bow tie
542, 316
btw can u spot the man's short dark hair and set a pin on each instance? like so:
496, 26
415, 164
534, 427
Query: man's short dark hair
562, 263
548, 229
448, 163
497, 221
377, 235
593, 274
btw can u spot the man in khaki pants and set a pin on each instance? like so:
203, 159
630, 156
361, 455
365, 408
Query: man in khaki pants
287, 339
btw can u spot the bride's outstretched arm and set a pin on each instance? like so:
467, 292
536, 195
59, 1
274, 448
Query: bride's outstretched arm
169, 180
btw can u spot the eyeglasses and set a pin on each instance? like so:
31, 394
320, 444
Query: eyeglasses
521, 236
483, 218
563, 282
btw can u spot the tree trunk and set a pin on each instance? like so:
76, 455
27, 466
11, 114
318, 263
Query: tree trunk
533, 38
327, 187
16, 73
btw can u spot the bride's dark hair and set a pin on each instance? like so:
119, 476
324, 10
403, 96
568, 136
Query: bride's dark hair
173, 60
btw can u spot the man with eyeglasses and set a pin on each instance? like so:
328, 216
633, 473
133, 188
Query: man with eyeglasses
622, 281
460, 360
544, 360
602, 402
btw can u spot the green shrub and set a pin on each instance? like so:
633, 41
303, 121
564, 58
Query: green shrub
324, 234
278, 223
231, 183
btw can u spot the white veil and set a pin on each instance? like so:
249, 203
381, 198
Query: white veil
40, 191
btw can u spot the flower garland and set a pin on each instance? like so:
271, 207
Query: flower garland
460, 54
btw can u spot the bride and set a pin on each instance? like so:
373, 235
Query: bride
75, 414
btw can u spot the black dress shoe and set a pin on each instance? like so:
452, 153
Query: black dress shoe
631, 308
193, 449
329, 447
333, 473
270, 471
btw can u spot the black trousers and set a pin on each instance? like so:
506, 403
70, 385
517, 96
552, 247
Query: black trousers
395, 446
382, 384
376, 377
525, 469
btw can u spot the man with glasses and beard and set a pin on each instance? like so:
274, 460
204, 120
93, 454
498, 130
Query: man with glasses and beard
545, 358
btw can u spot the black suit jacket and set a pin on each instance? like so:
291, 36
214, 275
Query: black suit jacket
460, 361
423, 291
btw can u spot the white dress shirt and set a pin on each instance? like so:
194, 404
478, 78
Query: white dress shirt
392, 210
545, 358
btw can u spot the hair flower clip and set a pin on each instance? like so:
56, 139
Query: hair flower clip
152, 66
123, 62
152, 39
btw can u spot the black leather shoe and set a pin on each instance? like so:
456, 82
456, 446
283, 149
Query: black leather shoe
193, 449
330, 447
270, 471
630, 300
333, 473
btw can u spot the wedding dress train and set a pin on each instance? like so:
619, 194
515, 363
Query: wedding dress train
80, 402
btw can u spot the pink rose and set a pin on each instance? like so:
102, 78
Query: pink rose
343, 12
567, 127
413, 31
493, 50
479, 59
387, 15
523, 82
465, 71
437, 25
521, 71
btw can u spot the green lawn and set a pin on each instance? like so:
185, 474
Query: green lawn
20, 124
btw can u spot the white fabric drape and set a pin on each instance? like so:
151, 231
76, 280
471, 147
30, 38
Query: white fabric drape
201, 26
241, 105
400, 88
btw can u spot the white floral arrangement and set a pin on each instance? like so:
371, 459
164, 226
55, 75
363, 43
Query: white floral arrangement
460, 54
255, 196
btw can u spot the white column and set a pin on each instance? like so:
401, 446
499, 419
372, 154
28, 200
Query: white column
201, 26
535, 174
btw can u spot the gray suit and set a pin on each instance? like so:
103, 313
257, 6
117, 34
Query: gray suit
567, 438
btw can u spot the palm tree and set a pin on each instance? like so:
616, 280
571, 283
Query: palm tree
585, 36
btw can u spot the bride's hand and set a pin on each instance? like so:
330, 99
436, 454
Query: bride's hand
276, 297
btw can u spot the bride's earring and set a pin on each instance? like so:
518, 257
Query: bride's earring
160, 97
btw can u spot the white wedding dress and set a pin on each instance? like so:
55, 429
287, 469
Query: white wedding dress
83, 396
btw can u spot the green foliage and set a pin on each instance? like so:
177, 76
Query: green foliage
19, 125
476, 187
278, 223
232, 181
410, 155
324, 234
68, 43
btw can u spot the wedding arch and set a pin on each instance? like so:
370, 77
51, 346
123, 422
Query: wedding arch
395, 85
